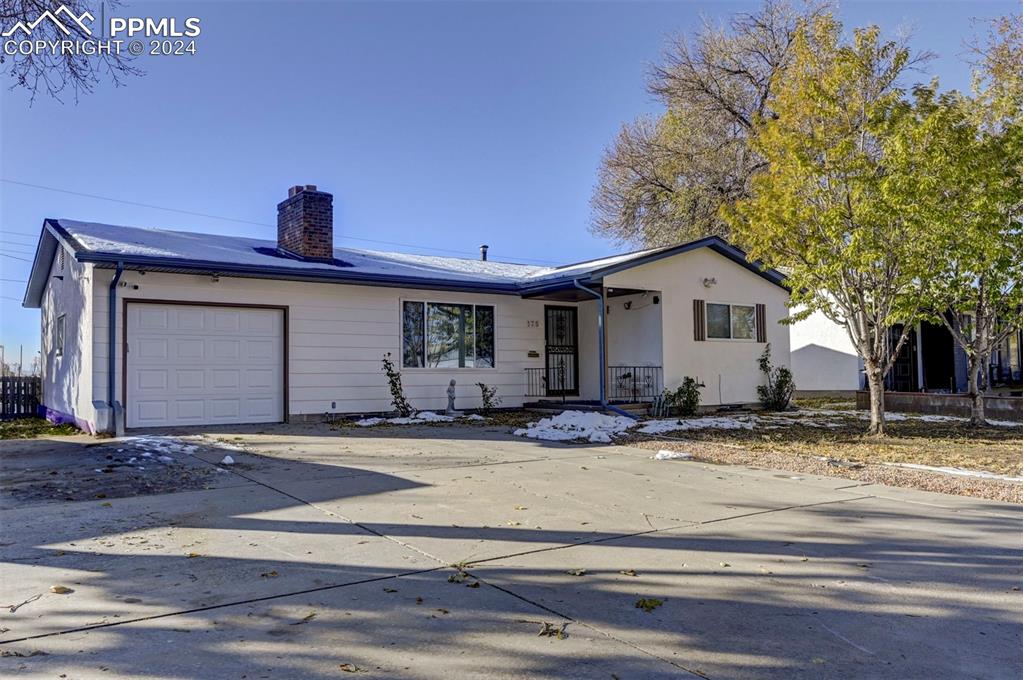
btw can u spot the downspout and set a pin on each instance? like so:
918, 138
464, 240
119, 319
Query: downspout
111, 350
601, 351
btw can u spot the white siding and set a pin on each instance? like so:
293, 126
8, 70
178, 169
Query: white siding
337, 337
823, 358
727, 367
67, 379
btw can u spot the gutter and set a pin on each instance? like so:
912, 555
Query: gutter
601, 351
111, 349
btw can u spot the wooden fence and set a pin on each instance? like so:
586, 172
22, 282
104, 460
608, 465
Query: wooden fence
19, 397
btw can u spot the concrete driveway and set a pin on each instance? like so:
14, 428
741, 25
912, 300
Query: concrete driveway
322, 554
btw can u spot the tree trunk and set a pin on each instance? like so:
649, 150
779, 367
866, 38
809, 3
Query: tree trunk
977, 417
875, 382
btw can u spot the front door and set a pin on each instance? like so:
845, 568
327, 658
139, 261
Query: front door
561, 330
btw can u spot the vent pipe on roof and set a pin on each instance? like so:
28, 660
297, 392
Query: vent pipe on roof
483, 252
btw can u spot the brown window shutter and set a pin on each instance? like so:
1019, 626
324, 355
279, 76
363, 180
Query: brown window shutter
699, 320
761, 323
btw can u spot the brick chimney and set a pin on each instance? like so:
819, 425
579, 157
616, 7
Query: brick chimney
305, 223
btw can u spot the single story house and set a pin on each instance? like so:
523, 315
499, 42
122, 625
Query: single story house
824, 360
153, 328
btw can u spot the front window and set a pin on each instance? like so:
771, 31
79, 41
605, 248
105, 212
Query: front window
447, 335
731, 322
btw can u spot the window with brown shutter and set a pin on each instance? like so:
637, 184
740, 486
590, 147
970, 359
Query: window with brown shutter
761, 323
699, 320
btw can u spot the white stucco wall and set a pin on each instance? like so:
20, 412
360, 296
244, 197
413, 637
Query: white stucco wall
823, 358
337, 337
67, 378
727, 367
634, 331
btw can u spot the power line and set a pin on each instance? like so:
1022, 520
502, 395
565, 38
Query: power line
241, 221
14, 280
8, 297
16, 258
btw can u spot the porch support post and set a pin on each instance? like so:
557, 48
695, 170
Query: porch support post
601, 359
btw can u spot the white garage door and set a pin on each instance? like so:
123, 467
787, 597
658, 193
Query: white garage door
195, 365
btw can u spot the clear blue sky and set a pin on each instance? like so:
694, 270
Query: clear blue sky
444, 125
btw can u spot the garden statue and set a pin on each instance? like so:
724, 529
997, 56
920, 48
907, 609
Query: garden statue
451, 399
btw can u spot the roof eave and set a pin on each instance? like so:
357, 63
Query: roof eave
715, 243
46, 248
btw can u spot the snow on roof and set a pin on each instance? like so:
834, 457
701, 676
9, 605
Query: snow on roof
160, 249
189, 246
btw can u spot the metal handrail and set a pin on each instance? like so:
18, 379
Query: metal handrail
635, 383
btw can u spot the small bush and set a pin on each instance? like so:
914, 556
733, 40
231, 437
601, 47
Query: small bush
398, 400
489, 396
685, 400
776, 395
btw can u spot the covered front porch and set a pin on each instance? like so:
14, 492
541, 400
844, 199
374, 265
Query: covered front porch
601, 346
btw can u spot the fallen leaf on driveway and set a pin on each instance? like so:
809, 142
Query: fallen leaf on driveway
191, 555
575, 572
628, 572
350, 668
390, 590
15, 607
270, 574
521, 507
305, 619
648, 604
548, 629
61, 590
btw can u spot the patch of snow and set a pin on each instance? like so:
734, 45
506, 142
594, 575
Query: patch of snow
960, 472
569, 425
418, 418
672, 455
165, 459
431, 417
227, 460
473, 416
705, 423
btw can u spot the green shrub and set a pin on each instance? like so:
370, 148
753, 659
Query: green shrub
685, 400
777, 393
398, 400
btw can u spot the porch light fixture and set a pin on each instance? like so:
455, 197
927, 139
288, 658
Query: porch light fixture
708, 282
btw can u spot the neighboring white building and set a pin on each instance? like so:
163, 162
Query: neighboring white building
175, 328
823, 357
824, 361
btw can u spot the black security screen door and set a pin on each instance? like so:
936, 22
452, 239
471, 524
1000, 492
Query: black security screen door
561, 330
